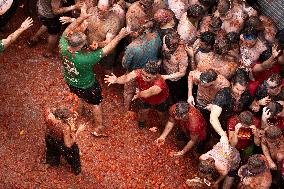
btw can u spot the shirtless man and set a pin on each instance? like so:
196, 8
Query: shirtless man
179, 7
174, 66
187, 27
4, 43
270, 29
138, 14
191, 122
255, 174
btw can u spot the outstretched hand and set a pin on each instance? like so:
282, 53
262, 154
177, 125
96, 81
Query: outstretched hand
137, 94
66, 19
110, 79
27, 23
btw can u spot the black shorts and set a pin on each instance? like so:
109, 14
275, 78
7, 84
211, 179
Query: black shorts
53, 24
163, 107
91, 95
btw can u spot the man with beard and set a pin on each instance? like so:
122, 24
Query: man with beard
174, 66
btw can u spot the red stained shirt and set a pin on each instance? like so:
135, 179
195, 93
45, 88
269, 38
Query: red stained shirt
194, 124
278, 122
245, 135
144, 85
264, 75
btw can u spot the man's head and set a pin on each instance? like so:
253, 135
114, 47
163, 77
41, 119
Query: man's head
208, 169
146, 4
77, 40
275, 108
207, 40
215, 24
254, 22
249, 36
103, 5
207, 3
223, 7
273, 133
164, 16
181, 111
208, 77
233, 38
239, 82
256, 164
150, 71
246, 118
195, 11
273, 84
172, 41
221, 46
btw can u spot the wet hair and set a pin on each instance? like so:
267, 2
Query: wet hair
249, 33
181, 108
208, 38
207, 167
223, 7
233, 37
275, 78
147, 3
246, 117
241, 77
208, 76
195, 11
221, 46
171, 38
207, 3
163, 16
62, 114
152, 67
265, 55
273, 132
76, 39
256, 164
216, 23
254, 22
274, 108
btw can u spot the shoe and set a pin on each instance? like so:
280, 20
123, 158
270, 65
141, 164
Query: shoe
141, 124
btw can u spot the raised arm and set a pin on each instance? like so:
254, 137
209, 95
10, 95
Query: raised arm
57, 9
214, 120
112, 44
169, 126
190, 80
154, 90
112, 79
12, 37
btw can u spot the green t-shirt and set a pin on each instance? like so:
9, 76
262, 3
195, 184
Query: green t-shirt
1, 46
78, 68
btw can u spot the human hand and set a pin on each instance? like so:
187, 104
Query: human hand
237, 127
190, 100
189, 50
255, 106
160, 141
79, 4
208, 107
110, 79
275, 52
84, 9
26, 24
153, 129
272, 165
264, 101
123, 32
179, 153
265, 114
66, 19
137, 94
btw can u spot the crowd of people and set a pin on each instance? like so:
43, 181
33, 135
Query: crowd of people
212, 67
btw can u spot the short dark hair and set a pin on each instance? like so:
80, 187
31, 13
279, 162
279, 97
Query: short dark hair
273, 132
246, 117
208, 38
223, 6
274, 108
256, 164
181, 108
216, 22
275, 78
254, 22
76, 39
208, 76
207, 166
249, 32
241, 77
62, 114
172, 36
265, 55
195, 11
152, 67
233, 37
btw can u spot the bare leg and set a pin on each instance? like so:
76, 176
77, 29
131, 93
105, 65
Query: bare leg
142, 116
41, 31
52, 42
128, 94
228, 182
98, 117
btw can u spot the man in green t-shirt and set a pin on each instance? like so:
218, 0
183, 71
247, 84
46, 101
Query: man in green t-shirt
4, 43
78, 65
